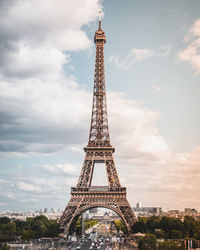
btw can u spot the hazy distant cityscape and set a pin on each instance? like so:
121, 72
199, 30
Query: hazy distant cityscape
139, 210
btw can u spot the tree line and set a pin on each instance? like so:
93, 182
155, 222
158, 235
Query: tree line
32, 228
168, 227
35, 228
174, 231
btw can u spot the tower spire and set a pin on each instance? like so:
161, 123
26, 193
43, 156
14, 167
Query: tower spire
100, 13
99, 131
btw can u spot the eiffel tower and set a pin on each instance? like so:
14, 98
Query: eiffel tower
99, 150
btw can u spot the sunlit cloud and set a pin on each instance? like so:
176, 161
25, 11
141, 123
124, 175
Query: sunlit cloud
28, 187
133, 56
62, 168
137, 55
191, 54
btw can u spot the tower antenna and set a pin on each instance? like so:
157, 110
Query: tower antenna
100, 14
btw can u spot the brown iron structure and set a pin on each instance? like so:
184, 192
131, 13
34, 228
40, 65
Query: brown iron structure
99, 150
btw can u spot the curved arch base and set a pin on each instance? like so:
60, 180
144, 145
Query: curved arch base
79, 203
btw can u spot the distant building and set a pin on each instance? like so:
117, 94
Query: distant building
138, 205
148, 210
106, 217
45, 210
53, 210
173, 212
93, 210
190, 211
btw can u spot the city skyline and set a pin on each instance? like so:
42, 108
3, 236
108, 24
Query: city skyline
152, 67
51, 209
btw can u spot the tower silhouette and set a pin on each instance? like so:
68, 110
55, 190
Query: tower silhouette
99, 150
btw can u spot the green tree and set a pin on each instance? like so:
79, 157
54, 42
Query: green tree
7, 231
172, 227
89, 223
42, 220
4, 220
28, 234
176, 224
5, 247
20, 225
53, 230
191, 227
78, 226
160, 234
165, 223
140, 226
119, 224
153, 223
32, 228
148, 242
175, 234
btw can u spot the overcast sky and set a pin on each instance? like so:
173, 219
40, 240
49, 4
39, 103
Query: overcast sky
152, 61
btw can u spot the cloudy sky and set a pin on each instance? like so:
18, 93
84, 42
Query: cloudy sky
152, 60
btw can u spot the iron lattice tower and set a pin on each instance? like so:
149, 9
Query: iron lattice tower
84, 196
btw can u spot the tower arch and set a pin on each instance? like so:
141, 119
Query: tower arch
83, 209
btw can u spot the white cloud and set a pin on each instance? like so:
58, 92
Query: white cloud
33, 38
185, 176
27, 61
136, 55
133, 56
43, 108
38, 21
61, 168
36, 105
191, 53
195, 30
134, 132
33, 86
6, 194
176, 180
70, 40
4, 182
52, 14
28, 187
29, 200
34, 89
72, 181
140, 54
